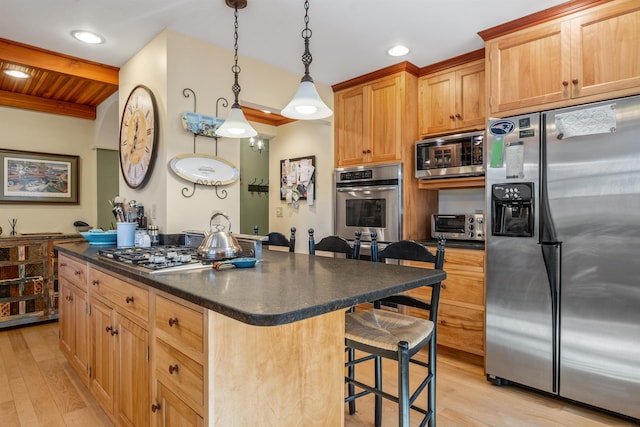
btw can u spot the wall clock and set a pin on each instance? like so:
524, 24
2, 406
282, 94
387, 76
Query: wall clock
138, 137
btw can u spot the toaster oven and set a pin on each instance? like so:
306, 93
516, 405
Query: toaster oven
458, 226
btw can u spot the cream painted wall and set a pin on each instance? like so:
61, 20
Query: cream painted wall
50, 133
302, 139
172, 62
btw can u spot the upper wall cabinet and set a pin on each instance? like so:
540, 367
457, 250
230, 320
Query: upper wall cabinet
583, 57
371, 121
452, 100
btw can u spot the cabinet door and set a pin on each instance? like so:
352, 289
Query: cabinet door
470, 97
103, 354
605, 50
81, 334
530, 67
385, 141
351, 126
437, 103
132, 367
174, 412
65, 319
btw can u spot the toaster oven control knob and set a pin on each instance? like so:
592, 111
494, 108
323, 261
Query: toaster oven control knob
470, 227
470, 234
480, 221
470, 220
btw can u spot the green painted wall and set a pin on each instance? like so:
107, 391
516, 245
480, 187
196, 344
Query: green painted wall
254, 207
108, 167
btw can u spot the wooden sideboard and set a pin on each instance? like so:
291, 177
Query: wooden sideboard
29, 278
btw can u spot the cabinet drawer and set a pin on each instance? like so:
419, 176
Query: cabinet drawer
461, 327
73, 271
130, 298
179, 322
467, 288
181, 374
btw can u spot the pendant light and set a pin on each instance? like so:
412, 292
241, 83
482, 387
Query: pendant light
236, 125
306, 104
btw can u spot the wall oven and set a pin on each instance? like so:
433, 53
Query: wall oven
367, 199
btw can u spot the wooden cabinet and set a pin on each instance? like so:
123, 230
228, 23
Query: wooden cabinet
452, 100
74, 314
371, 119
462, 301
120, 358
172, 411
584, 57
180, 363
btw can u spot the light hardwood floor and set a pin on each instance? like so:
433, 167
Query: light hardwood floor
38, 388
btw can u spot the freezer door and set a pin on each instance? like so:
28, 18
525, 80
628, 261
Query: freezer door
594, 199
520, 333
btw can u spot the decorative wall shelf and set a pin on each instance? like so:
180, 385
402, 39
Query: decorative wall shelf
211, 170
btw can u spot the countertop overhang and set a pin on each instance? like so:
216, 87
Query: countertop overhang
282, 288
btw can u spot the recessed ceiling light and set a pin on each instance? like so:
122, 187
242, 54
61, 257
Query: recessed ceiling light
87, 37
398, 50
266, 111
17, 74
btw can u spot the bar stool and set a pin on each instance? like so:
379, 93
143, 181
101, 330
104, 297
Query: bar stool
334, 244
278, 239
385, 334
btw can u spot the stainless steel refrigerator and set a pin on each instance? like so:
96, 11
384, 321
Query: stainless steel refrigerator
563, 253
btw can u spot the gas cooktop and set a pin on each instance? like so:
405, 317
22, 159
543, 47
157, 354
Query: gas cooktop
157, 257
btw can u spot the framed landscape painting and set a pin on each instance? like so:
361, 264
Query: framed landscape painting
30, 177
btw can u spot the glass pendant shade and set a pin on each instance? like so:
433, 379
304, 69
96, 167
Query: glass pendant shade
236, 125
306, 104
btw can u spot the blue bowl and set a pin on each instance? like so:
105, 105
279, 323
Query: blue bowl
99, 237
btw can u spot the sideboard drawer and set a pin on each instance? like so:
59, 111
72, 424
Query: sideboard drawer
179, 322
130, 298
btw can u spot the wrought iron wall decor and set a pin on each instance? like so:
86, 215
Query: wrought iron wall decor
207, 130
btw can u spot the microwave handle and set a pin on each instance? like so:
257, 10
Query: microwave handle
346, 189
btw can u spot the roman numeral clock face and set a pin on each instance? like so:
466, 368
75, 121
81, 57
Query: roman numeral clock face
138, 137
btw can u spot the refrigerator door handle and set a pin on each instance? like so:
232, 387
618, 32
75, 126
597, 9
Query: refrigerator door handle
551, 253
547, 228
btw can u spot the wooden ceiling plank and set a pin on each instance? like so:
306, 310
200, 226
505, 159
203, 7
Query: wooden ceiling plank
40, 58
35, 103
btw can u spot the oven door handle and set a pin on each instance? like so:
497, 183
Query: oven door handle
347, 189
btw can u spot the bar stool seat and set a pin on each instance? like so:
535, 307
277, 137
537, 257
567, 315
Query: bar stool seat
383, 330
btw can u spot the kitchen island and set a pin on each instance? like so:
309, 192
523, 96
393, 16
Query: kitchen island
272, 346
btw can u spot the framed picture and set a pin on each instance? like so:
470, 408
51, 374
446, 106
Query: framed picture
30, 177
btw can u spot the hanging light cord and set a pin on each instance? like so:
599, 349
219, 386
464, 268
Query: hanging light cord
306, 35
236, 68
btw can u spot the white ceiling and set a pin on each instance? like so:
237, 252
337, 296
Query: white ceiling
350, 37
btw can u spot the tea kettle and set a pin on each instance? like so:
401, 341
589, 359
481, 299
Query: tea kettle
219, 244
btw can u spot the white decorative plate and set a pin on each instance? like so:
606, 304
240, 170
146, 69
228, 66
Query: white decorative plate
204, 169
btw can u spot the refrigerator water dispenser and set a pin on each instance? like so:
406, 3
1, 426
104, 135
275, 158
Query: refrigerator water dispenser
512, 209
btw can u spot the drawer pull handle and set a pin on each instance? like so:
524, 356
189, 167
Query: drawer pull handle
69, 298
574, 81
114, 332
173, 368
109, 329
565, 83
129, 299
443, 322
458, 116
155, 407
77, 272
95, 282
63, 264
443, 286
173, 321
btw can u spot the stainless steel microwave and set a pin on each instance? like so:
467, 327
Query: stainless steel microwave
450, 156
458, 226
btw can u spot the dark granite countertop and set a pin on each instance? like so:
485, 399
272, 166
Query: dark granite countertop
282, 288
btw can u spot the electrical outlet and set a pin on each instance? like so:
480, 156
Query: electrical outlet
279, 212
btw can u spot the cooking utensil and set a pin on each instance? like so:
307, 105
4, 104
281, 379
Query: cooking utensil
219, 244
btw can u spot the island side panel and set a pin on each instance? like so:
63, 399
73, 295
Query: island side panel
279, 376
